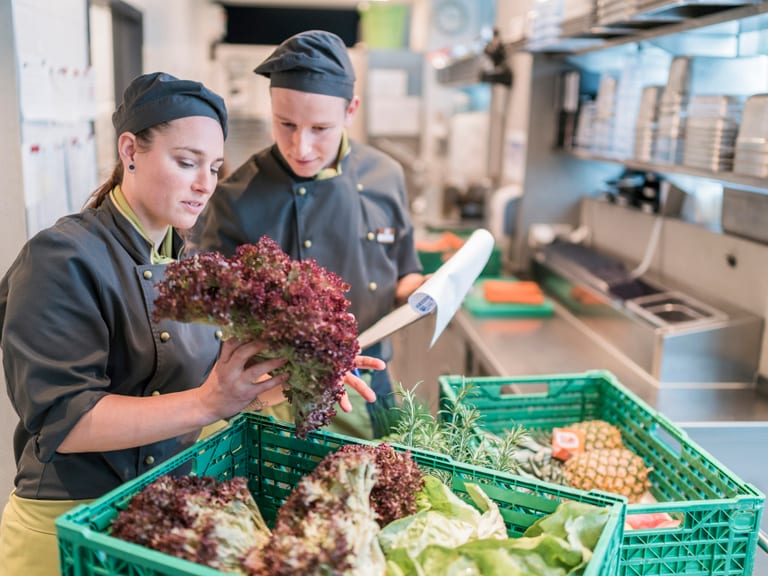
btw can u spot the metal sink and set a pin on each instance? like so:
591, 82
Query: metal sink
674, 337
675, 309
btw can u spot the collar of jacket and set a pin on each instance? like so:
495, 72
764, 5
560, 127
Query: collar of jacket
335, 170
162, 256
127, 234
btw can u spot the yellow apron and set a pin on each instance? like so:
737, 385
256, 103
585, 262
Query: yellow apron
28, 543
212, 429
356, 423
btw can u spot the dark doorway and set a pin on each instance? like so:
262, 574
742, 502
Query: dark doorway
272, 24
127, 42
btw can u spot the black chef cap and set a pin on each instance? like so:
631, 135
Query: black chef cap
155, 98
313, 61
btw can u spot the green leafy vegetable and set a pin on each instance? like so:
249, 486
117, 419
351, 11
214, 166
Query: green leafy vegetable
195, 518
330, 522
556, 545
297, 308
444, 517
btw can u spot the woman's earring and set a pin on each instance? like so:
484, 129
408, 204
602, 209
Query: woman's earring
131, 167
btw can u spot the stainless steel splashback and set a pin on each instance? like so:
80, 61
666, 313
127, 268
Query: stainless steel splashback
672, 335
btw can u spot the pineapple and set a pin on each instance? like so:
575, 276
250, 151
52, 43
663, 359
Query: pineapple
616, 470
599, 435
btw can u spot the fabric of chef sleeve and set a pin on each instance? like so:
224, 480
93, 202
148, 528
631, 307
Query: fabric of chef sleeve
54, 340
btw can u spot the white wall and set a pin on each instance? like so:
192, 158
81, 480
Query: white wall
44, 41
178, 34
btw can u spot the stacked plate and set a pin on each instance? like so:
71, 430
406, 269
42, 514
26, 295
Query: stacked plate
615, 11
605, 114
578, 16
545, 24
710, 132
647, 123
672, 106
644, 5
585, 134
751, 151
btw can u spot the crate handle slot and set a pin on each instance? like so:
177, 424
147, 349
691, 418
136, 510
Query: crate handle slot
671, 441
512, 389
676, 519
744, 521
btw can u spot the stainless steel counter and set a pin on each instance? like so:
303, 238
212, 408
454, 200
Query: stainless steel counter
559, 344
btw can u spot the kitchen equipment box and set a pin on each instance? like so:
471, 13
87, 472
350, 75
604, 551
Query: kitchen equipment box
273, 459
719, 513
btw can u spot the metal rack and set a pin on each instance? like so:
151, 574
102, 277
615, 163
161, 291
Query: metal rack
728, 178
650, 24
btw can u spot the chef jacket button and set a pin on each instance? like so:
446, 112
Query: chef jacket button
370, 236
149, 460
147, 274
307, 243
360, 187
164, 336
302, 191
218, 334
155, 392
372, 286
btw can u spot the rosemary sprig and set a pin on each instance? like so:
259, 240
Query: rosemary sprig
454, 432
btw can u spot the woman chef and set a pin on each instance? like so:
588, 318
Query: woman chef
102, 392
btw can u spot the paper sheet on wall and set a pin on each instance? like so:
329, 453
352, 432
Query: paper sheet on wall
442, 293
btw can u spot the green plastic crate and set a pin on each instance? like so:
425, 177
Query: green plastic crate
431, 261
273, 459
720, 513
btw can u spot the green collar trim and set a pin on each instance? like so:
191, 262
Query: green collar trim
344, 149
165, 254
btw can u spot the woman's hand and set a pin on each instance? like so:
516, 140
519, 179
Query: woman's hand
236, 380
274, 393
358, 384
117, 422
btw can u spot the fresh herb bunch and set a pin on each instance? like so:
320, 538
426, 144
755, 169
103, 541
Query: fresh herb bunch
454, 431
196, 518
297, 308
331, 521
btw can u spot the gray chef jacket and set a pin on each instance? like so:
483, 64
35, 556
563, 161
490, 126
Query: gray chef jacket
355, 224
75, 315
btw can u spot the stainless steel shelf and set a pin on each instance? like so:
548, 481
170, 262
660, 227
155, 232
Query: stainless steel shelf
462, 71
646, 32
728, 178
